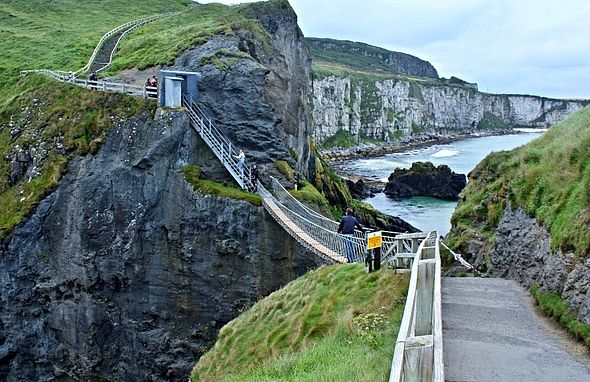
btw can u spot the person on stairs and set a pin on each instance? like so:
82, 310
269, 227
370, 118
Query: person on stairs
241, 157
346, 228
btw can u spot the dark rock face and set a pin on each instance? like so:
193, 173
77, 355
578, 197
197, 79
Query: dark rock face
261, 102
423, 179
522, 252
360, 190
125, 272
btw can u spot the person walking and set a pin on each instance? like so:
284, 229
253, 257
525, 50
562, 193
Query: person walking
346, 228
241, 157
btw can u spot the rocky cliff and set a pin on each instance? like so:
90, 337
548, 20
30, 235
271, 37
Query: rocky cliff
125, 272
255, 87
522, 252
387, 109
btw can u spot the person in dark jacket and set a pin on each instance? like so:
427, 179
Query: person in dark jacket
346, 228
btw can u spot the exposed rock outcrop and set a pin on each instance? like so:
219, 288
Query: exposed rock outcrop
424, 179
522, 252
125, 272
257, 92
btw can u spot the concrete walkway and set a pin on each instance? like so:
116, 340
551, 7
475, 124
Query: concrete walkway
492, 333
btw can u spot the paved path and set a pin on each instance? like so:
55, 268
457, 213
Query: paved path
492, 333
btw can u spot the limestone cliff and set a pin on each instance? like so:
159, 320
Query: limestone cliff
387, 109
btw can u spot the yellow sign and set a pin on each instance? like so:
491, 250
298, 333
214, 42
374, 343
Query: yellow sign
374, 240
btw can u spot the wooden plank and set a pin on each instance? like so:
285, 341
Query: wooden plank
425, 290
323, 250
418, 354
438, 373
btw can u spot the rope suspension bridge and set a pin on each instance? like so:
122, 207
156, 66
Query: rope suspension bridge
418, 350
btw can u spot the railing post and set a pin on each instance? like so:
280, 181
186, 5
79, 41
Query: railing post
424, 296
418, 359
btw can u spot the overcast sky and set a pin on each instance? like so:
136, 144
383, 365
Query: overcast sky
539, 47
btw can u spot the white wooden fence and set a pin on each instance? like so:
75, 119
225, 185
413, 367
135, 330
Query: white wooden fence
106, 86
419, 349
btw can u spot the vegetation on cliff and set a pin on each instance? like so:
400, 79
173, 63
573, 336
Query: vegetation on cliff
334, 323
549, 178
193, 174
552, 304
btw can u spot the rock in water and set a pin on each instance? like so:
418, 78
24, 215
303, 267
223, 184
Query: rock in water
424, 179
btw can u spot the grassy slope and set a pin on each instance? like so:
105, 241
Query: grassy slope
334, 323
62, 35
549, 178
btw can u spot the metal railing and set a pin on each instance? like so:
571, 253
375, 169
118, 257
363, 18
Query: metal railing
105, 86
219, 144
418, 352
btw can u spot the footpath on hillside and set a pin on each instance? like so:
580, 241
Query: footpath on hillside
492, 333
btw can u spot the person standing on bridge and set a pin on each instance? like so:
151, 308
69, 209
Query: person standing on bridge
241, 157
346, 228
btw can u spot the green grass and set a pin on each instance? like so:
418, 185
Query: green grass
309, 195
553, 305
61, 34
549, 178
490, 121
192, 174
334, 323
160, 42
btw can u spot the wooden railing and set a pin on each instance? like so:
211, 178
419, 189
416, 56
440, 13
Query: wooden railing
419, 349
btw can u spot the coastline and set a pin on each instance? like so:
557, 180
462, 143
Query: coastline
367, 150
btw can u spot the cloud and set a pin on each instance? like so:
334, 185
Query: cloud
526, 46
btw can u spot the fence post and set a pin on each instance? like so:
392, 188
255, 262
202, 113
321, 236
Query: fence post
424, 296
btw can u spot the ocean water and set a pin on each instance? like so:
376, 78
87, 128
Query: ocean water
422, 212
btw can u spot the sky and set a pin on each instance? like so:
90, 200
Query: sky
539, 47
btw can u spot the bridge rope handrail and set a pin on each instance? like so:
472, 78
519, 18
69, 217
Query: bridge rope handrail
330, 239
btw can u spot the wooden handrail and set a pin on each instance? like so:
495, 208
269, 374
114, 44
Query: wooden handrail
418, 352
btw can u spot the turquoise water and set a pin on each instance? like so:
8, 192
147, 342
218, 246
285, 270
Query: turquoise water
461, 156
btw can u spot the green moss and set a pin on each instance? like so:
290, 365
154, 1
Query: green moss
490, 121
417, 129
395, 135
285, 169
334, 323
553, 305
415, 91
193, 173
309, 195
342, 139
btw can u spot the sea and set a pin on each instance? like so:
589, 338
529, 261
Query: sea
461, 156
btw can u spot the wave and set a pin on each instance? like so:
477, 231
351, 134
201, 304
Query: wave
445, 153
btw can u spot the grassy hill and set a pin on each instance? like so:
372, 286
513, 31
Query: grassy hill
61, 35
336, 323
549, 178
